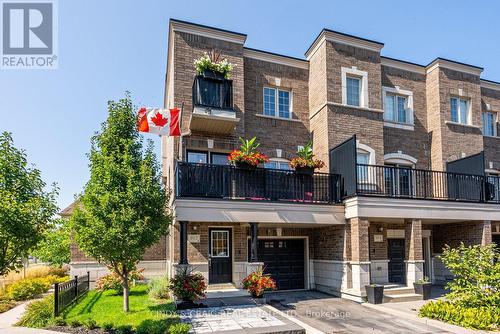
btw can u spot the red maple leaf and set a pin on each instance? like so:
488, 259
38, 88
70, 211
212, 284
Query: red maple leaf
159, 120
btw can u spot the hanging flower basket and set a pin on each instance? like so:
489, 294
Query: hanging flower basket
212, 66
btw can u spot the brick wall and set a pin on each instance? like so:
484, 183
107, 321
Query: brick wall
328, 243
414, 143
470, 233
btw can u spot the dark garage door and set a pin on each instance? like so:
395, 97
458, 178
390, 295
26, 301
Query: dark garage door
284, 261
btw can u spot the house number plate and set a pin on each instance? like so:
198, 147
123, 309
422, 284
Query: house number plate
194, 238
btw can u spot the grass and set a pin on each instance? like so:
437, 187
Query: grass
106, 308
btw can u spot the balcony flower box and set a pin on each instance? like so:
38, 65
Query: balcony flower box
304, 162
213, 74
247, 156
306, 170
211, 65
375, 293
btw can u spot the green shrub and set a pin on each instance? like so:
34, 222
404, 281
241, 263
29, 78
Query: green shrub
59, 321
476, 271
74, 323
6, 305
90, 324
124, 329
486, 318
107, 327
38, 313
112, 281
27, 288
158, 288
151, 326
179, 328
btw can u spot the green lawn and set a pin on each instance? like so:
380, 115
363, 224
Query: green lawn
106, 307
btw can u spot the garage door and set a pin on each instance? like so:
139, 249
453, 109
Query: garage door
284, 261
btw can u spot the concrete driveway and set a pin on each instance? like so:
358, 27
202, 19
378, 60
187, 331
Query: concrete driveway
335, 315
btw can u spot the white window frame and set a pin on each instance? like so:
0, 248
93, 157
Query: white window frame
403, 161
280, 161
495, 121
469, 113
409, 106
363, 89
212, 244
276, 102
365, 149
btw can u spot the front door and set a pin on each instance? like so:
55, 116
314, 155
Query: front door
396, 253
219, 256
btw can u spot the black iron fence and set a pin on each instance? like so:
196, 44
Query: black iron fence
66, 293
388, 181
228, 182
212, 92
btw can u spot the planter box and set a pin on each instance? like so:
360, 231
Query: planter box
213, 74
304, 170
424, 289
243, 165
375, 293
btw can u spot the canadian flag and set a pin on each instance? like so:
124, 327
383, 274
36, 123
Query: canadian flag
159, 121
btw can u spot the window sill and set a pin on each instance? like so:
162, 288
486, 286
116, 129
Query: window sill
495, 137
279, 118
461, 124
354, 107
403, 126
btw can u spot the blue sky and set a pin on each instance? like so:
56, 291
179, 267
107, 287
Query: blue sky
108, 47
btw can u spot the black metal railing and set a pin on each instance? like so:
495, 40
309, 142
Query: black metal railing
212, 92
229, 182
399, 182
68, 292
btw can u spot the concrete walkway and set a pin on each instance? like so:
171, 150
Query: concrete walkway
11, 317
330, 314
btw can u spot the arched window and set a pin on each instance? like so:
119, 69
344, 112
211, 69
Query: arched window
278, 163
399, 160
365, 155
400, 177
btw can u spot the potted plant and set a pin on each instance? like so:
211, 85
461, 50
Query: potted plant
304, 162
247, 157
423, 287
375, 293
257, 282
212, 66
188, 287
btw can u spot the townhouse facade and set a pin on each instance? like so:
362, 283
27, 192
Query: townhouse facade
411, 152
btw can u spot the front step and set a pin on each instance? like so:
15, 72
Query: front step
394, 293
408, 297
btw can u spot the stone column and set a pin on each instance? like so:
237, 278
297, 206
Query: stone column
360, 258
486, 238
414, 252
183, 243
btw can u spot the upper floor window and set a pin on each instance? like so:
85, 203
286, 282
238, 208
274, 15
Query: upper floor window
489, 124
354, 87
460, 110
277, 103
398, 105
353, 91
278, 164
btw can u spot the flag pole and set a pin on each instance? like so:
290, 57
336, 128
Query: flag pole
180, 153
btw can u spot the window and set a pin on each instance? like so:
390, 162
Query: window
489, 124
363, 158
354, 87
278, 164
459, 110
277, 100
353, 91
219, 158
197, 157
220, 243
396, 109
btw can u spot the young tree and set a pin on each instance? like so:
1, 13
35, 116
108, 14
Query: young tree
26, 208
123, 207
55, 245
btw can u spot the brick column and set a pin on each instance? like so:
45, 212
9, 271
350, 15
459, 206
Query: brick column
414, 253
360, 258
486, 237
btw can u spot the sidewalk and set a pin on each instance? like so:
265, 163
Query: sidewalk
8, 320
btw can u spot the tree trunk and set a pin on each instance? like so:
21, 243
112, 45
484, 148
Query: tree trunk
125, 292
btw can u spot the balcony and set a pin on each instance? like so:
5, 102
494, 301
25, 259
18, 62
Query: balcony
213, 105
263, 185
397, 182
